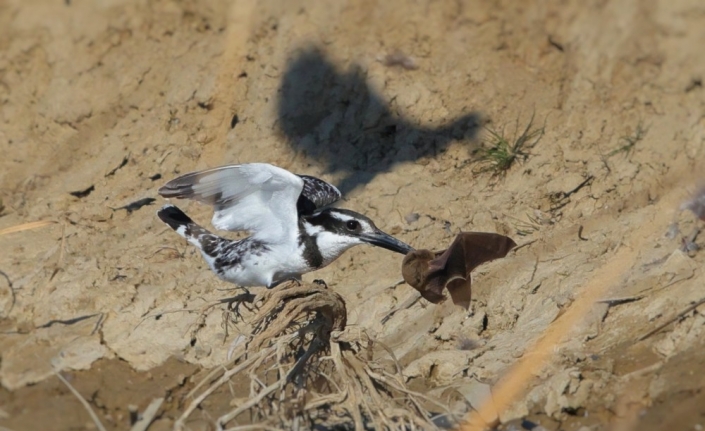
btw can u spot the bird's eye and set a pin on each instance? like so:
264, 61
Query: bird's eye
353, 224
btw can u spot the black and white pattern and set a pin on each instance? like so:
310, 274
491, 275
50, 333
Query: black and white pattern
292, 232
316, 194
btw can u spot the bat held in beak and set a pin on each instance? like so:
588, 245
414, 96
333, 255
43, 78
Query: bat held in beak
432, 272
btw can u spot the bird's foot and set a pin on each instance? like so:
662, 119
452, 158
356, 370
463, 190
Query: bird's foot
321, 283
294, 282
234, 303
290, 282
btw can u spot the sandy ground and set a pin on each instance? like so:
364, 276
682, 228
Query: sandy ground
109, 94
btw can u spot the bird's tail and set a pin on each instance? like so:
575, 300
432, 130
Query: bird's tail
182, 224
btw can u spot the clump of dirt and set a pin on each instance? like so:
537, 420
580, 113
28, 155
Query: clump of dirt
101, 102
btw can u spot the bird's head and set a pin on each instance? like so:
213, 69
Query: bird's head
336, 230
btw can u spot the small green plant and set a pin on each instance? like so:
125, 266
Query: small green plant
502, 152
630, 140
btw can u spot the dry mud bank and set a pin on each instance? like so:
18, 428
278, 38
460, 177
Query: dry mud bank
109, 94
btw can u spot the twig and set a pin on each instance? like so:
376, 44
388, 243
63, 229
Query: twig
85, 404
68, 321
514, 250
671, 320
251, 402
160, 249
161, 160
61, 252
676, 281
580, 234
179, 424
619, 301
148, 416
408, 303
587, 181
393, 356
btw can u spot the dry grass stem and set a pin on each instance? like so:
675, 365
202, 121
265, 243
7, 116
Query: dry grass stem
675, 318
148, 416
83, 401
518, 379
26, 226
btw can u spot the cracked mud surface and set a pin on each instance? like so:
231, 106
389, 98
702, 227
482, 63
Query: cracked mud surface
121, 97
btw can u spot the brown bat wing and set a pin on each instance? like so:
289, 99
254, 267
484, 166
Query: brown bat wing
430, 273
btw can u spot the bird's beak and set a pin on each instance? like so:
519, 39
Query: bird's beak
384, 240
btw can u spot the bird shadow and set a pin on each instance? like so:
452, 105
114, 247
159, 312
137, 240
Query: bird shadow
336, 119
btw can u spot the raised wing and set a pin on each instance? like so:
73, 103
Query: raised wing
315, 194
256, 197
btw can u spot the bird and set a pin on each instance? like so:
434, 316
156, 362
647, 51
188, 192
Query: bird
293, 230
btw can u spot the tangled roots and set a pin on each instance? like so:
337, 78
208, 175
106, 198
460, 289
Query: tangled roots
304, 368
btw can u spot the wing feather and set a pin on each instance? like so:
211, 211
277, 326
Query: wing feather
257, 197
316, 194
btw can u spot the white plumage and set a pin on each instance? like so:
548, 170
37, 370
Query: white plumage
257, 197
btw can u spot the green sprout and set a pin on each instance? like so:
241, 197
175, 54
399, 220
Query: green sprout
502, 151
630, 140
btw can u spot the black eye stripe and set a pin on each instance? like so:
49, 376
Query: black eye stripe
331, 220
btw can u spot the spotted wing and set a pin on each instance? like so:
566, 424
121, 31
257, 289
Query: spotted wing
255, 197
315, 194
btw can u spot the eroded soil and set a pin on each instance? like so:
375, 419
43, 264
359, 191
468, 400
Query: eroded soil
113, 98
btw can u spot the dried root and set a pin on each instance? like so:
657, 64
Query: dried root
302, 368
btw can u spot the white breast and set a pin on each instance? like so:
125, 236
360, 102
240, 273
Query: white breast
280, 262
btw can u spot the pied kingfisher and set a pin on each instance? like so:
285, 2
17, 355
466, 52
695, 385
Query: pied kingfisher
292, 231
